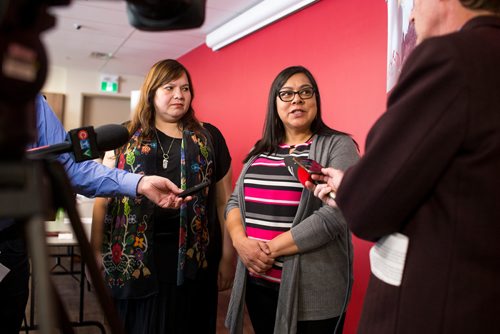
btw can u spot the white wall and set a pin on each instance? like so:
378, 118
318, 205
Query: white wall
75, 83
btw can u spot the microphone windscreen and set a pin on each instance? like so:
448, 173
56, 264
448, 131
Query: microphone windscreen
299, 172
303, 175
111, 136
296, 170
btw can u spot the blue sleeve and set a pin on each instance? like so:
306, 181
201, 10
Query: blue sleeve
89, 178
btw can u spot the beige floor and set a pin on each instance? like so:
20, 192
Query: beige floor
69, 289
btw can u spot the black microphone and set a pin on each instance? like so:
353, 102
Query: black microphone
302, 169
85, 143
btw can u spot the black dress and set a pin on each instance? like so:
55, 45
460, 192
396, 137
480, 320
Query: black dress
192, 307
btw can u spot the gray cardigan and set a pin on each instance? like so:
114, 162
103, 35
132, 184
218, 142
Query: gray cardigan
314, 281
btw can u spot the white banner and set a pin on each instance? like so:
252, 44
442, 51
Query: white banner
400, 37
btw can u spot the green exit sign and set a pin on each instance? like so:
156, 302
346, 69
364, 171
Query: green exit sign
109, 83
110, 87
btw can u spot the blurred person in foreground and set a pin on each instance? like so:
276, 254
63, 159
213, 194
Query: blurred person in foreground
427, 189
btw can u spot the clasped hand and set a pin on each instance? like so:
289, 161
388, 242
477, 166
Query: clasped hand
255, 255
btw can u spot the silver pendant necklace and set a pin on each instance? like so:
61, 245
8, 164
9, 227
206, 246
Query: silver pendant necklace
165, 155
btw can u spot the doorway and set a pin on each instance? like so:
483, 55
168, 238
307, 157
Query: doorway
100, 109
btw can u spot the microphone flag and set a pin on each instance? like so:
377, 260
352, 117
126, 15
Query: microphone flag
84, 143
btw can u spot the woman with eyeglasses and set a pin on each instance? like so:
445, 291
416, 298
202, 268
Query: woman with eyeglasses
294, 268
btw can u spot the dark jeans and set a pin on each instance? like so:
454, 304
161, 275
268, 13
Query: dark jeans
262, 303
14, 288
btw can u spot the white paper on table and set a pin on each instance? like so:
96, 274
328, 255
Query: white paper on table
387, 258
65, 236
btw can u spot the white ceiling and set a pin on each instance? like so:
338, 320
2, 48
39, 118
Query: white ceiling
105, 29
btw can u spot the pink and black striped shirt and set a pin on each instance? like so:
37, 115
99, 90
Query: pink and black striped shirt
272, 196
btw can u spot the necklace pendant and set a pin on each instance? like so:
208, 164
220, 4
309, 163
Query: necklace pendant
165, 163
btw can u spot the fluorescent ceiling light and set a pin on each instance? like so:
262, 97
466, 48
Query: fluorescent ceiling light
259, 16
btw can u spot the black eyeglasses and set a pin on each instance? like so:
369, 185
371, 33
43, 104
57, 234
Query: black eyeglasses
289, 95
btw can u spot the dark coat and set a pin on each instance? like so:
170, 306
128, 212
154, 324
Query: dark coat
431, 171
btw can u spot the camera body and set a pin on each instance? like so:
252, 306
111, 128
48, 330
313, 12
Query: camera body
160, 15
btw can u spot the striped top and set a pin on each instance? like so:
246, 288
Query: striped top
272, 196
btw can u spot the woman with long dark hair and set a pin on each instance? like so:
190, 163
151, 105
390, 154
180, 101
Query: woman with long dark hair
294, 267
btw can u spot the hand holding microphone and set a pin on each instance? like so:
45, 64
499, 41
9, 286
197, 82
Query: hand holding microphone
86, 143
326, 184
161, 191
323, 182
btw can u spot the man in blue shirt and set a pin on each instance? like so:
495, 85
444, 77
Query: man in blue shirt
88, 178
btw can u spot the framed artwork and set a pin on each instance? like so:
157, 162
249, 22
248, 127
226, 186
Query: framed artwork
401, 37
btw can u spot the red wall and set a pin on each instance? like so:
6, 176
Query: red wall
342, 42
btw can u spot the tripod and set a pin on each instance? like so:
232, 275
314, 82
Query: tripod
28, 191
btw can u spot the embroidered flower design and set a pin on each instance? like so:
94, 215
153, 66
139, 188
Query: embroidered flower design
116, 250
141, 228
139, 254
121, 161
125, 254
145, 149
139, 242
195, 167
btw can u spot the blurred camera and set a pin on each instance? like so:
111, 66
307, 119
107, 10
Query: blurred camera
160, 15
24, 61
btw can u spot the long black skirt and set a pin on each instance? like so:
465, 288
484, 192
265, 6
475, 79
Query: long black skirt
190, 308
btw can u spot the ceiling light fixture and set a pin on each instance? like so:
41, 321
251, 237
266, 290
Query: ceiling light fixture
262, 14
101, 55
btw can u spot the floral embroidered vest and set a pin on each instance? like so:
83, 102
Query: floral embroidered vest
129, 227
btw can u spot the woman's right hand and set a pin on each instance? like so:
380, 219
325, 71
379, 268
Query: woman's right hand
254, 255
